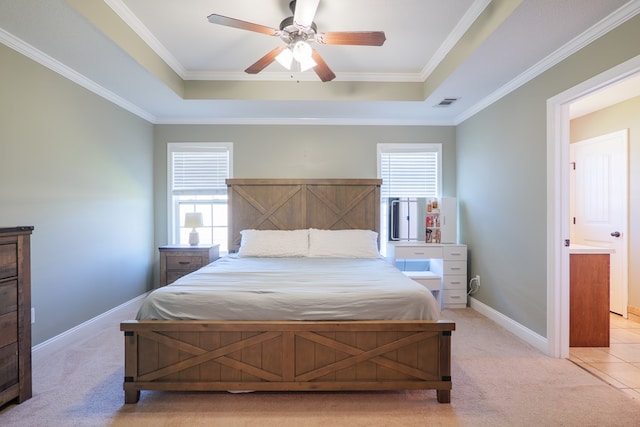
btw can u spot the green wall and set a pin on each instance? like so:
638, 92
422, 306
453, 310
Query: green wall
79, 169
299, 152
502, 184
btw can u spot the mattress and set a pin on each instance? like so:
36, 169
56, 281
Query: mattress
256, 289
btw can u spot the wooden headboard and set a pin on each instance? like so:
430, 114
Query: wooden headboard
290, 204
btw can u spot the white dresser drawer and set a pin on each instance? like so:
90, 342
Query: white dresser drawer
453, 253
454, 267
455, 282
417, 252
454, 298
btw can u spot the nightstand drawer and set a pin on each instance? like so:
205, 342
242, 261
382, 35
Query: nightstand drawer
417, 252
179, 260
172, 276
184, 263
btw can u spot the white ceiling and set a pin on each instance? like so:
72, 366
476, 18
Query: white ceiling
426, 57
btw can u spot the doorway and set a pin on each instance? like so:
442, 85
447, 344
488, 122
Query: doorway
558, 118
599, 181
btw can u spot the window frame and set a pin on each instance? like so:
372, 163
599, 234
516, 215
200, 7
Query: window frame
418, 147
173, 228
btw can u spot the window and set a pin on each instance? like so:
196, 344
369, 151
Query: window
197, 174
411, 173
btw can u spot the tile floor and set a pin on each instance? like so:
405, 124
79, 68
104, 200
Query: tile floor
618, 364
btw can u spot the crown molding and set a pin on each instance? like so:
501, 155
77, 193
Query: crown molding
147, 36
56, 66
607, 24
454, 37
296, 121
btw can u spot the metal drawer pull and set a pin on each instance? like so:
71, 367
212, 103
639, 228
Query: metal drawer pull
454, 296
184, 262
456, 282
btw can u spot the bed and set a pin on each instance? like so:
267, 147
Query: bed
266, 350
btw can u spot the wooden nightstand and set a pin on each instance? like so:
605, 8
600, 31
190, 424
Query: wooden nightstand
179, 260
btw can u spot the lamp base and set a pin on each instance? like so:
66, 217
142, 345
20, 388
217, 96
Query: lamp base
194, 238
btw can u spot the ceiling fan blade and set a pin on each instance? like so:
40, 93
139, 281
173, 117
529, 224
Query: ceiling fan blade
360, 38
322, 69
263, 62
304, 12
243, 25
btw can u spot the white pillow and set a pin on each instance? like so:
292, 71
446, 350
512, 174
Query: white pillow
274, 243
343, 243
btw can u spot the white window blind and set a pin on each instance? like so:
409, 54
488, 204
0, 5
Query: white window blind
197, 172
407, 173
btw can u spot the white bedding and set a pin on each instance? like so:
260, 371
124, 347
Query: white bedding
235, 288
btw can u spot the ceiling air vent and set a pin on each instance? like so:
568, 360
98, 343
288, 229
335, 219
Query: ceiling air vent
446, 102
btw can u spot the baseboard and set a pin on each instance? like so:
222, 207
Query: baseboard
83, 330
534, 339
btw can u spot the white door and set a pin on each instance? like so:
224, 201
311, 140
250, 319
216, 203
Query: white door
599, 204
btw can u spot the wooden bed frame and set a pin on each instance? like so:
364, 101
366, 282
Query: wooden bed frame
291, 355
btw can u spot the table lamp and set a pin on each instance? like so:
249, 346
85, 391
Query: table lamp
193, 220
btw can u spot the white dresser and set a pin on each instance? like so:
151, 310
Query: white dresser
447, 261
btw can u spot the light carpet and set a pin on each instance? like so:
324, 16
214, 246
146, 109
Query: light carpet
498, 380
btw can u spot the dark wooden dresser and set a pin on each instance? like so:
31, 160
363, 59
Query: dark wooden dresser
15, 314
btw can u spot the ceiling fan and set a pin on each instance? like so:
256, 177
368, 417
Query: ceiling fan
298, 32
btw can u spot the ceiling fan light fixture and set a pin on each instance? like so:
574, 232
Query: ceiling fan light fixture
285, 58
307, 64
301, 51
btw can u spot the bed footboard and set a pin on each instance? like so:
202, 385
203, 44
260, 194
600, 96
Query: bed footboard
287, 356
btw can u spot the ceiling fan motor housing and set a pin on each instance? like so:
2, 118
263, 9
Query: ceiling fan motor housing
291, 33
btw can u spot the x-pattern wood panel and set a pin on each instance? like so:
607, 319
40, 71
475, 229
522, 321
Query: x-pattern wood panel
341, 212
295, 204
359, 356
224, 355
266, 213
202, 355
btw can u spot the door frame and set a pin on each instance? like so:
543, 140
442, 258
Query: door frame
558, 129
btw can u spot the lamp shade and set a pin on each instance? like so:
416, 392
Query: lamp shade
193, 220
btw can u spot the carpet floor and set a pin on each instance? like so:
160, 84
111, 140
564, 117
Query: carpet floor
498, 380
